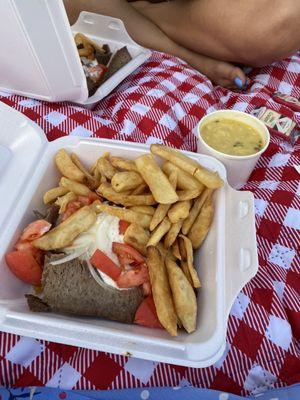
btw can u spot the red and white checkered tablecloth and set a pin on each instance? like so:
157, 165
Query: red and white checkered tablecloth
162, 102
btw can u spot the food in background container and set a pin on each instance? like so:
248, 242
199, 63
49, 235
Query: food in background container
100, 254
98, 62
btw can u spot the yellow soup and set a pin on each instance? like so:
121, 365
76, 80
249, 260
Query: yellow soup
232, 137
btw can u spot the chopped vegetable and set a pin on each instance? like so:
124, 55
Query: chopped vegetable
133, 277
35, 230
123, 249
123, 225
146, 314
24, 266
101, 261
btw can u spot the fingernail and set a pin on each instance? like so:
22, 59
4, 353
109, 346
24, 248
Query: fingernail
238, 82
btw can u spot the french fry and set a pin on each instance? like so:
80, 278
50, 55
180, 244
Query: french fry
184, 297
201, 226
182, 249
186, 271
123, 164
92, 182
163, 251
123, 213
172, 234
63, 201
185, 180
106, 191
127, 180
179, 211
184, 195
53, 194
161, 291
175, 250
105, 168
195, 210
137, 237
64, 234
208, 178
67, 168
78, 188
157, 181
149, 210
190, 260
162, 209
140, 189
159, 232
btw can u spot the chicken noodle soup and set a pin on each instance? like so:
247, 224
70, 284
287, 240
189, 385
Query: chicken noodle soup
232, 137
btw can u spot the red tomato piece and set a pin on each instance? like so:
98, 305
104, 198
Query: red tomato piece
35, 230
134, 277
37, 253
24, 266
93, 197
101, 261
123, 225
146, 314
72, 207
147, 289
125, 249
84, 200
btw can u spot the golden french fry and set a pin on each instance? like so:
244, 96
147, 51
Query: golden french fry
105, 167
182, 248
203, 175
137, 237
175, 250
162, 209
195, 210
123, 213
140, 189
78, 188
63, 201
179, 211
159, 232
184, 297
106, 191
186, 271
188, 194
123, 164
160, 213
53, 194
201, 226
127, 180
185, 180
190, 260
92, 182
64, 234
163, 251
149, 210
161, 291
157, 181
97, 178
172, 234
67, 168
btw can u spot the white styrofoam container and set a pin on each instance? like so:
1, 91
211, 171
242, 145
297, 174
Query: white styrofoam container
226, 261
39, 58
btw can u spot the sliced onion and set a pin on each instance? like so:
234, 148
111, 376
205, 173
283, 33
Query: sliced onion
69, 257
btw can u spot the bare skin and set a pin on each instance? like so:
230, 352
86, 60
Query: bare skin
210, 35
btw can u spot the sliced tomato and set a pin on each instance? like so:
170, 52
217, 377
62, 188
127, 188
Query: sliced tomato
101, 261
123, 225
35, 230
146, 314
134, 277
126, 250
84, 200
93, 197
147, 289
37, 253
24, 266
72, 207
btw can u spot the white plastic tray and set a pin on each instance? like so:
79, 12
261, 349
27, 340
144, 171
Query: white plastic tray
226, 261
39, 57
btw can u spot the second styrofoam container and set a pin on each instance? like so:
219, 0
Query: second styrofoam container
40, 59
226, 261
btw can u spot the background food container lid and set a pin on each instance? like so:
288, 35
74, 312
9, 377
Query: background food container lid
38, 55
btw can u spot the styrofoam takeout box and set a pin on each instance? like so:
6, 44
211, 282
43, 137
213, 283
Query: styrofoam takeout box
39, 58
226, 261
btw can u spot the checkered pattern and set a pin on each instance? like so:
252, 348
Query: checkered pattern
162, 102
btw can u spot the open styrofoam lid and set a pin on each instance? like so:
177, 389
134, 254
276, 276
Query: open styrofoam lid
39, 57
